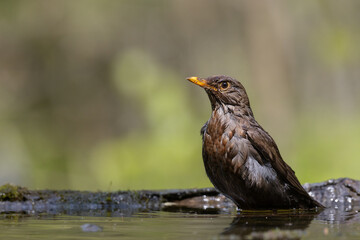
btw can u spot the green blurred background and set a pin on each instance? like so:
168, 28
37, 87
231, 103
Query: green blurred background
93, 93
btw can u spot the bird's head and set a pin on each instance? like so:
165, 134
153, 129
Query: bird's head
223, 91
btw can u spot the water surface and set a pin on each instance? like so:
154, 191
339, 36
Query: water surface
329, 224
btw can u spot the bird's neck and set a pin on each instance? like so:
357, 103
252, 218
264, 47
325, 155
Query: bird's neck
242, 111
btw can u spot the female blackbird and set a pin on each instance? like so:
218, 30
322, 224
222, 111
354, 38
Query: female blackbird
241, 159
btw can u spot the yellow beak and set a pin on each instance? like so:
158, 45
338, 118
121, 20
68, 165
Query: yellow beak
201, 82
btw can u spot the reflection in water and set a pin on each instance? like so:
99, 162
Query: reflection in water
191, 210
265, 224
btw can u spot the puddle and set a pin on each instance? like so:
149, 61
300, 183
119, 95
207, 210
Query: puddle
329, 224
173, 214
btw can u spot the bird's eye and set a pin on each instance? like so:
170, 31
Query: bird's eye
224, 85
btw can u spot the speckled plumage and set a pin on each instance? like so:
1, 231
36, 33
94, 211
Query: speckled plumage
241, 159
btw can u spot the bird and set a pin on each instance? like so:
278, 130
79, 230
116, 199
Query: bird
241, 159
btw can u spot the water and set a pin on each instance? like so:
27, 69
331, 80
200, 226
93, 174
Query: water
330, 224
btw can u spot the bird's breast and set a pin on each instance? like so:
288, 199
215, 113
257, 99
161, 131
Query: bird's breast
227, 151
224, 141
216, 137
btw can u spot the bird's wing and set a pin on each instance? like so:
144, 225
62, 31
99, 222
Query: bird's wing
269, 152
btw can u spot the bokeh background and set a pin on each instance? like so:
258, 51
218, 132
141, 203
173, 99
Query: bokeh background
93, 93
